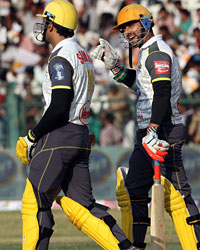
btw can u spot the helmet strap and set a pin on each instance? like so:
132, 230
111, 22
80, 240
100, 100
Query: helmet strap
130, 56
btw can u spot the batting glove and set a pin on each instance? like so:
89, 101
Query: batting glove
24, 148
106, 53
155, 148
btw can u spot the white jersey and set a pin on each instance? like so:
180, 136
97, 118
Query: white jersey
82, 80
156, 62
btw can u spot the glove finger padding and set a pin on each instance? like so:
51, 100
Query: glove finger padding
153, 153
154, 147
161, 145
97, 53
106, 53
22, 150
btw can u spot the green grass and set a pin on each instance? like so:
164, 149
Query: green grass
66, 235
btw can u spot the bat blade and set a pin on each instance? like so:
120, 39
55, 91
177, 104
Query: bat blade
157, 232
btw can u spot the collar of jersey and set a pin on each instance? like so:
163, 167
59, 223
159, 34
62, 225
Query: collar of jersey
61, 43
151, 40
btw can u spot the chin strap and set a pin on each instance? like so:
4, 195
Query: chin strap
130, 56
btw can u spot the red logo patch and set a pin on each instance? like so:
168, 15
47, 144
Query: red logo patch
162, 67
84, 113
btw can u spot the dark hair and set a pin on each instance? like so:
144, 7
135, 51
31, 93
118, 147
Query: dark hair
110, 117
177, 2
63, 31
196, 29
164, 28
185, 12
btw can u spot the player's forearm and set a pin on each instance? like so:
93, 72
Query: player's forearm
161, 101
57, 115
124, 75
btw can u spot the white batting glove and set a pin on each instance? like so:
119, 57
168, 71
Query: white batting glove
155, 147
106, 53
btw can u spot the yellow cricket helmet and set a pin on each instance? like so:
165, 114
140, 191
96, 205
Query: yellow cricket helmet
62, 13
133, 12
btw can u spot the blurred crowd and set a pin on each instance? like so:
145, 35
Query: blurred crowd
23, 62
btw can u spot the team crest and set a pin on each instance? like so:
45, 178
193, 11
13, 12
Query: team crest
58, 72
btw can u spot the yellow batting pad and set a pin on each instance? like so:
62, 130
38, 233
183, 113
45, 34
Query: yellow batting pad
22, 150
176, 207
124, 203
29, 218
94, 227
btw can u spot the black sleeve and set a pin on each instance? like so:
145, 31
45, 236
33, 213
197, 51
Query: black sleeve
57, 114
161, 101
130, 78
158, 65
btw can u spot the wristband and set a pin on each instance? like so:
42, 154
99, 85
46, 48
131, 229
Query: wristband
30, 136
152, 129
116, 69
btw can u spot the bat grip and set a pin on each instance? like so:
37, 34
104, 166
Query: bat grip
157, 178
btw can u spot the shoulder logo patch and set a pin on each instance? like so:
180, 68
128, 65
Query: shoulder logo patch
161, 67
58, 72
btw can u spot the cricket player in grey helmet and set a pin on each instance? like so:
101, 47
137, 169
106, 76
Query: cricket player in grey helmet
158, 83
61, 142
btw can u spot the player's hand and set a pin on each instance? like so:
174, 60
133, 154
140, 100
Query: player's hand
24, 148
106, 53
155, 148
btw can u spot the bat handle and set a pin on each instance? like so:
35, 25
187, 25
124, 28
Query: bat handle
157, 178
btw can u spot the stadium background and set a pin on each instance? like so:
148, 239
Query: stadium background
23, 62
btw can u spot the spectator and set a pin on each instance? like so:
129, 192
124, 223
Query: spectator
194, 127
186, 112
168, 37
182, 30
95, 126
165, 18
118, 104
110, 135
191, 77
196, 34
129, 130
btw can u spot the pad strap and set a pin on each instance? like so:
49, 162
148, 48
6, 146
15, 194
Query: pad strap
148, 199
109, 220
142, 221
125, 244
100, 206
193, 219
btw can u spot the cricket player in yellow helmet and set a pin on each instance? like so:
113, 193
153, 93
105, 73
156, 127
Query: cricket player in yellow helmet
59, 146
160, 133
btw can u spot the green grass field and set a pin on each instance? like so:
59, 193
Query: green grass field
66, 236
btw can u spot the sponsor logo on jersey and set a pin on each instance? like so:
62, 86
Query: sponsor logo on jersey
58, 72
83, 57
84, 113
161, 67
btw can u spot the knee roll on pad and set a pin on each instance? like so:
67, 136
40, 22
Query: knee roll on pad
124, 202
29, 218
94, 227
176, 207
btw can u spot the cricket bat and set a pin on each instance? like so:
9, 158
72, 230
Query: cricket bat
157, 230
